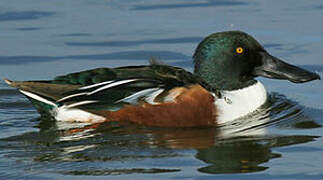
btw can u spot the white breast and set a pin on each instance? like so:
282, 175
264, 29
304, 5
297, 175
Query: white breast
238, 103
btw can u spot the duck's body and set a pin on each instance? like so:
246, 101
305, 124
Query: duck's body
222, 87
156, 94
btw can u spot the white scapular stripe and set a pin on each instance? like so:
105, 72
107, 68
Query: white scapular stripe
151, 98
94, 85
132, 99
70, 96
80, 103
38, 98
112, 85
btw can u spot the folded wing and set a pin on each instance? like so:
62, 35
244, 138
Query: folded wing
110, 88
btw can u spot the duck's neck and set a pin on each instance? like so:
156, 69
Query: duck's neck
238, 103
220, 79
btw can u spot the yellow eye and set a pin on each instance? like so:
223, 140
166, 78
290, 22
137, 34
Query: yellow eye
239, 50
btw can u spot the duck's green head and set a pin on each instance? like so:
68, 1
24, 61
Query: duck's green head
231, 60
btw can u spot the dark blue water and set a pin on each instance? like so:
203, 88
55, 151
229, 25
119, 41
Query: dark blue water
42, 39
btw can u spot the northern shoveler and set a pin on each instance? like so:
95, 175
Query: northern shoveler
222, 87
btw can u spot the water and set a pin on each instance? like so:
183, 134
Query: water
42, 39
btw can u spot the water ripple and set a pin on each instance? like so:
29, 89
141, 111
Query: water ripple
209, 3
114, 172
124, 55
138, 42
24, 15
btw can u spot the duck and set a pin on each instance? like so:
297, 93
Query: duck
221, 88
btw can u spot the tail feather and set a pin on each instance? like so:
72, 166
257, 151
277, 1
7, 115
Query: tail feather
43, 88
43, 103
7, 81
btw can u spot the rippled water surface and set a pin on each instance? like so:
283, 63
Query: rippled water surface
42, 39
